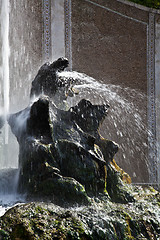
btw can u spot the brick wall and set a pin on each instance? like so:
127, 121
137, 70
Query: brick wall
114, 41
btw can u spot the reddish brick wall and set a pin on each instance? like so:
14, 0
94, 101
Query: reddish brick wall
109, 43
108, 46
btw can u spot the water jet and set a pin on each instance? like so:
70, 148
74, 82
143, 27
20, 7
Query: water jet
65, 160
67, 112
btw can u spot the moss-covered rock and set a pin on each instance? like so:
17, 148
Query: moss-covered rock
59, 145
64, 191
63, 160
117, 189
102, 219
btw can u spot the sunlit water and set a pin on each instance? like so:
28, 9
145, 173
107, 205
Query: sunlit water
8, 149
126, 122
5, 59
8, 189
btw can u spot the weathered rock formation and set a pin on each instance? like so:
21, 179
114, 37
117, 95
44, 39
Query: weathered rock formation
62, 154
102, 220
64, 159
48, 83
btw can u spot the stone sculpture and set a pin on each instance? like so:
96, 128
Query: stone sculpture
64, 159
61, 151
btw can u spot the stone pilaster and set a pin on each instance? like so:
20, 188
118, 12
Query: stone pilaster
157, 91
152, 149
68, 32
46, 30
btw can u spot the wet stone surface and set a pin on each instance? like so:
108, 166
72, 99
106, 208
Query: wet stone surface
68, 172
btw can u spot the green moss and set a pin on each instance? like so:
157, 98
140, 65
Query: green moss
39, 209
128, 227
69, 226
118, 191
4, 235
152, 189
102, 220
148, 3
64, 190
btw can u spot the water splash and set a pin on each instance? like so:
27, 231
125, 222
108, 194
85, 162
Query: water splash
8, 150
8, 144
8, 189
125, 124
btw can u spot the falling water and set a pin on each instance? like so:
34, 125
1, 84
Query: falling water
8, 145
21, 27
5, 59
9, 172
125, 123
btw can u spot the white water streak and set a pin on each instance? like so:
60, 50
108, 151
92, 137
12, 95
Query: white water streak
5, 59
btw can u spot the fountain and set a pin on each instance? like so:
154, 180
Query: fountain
66, 167
68, 171
46, 128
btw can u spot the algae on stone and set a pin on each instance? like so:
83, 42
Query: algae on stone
102, 219
66, 162
59, 146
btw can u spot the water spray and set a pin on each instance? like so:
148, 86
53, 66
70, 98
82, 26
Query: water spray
5, 60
